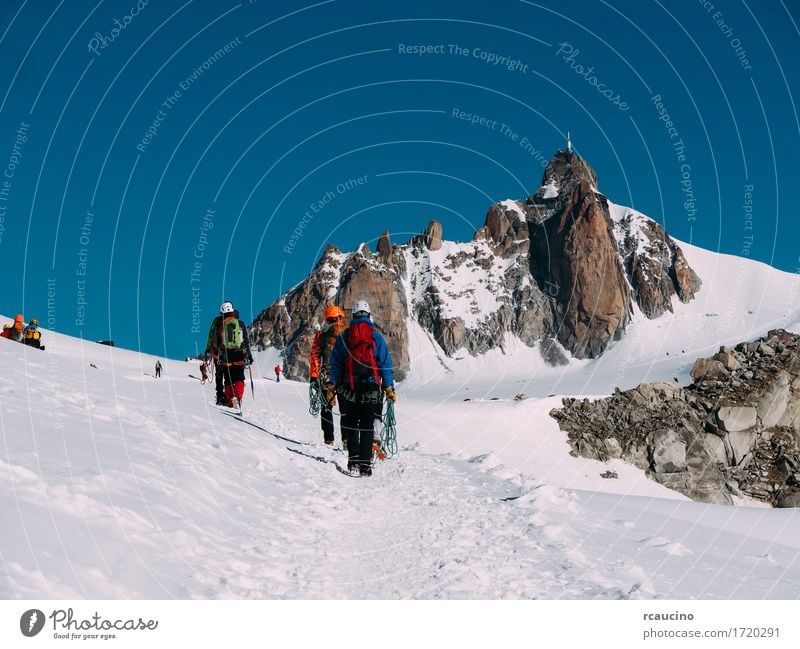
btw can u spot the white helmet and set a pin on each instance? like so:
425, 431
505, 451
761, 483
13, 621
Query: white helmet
227, 307
361, 307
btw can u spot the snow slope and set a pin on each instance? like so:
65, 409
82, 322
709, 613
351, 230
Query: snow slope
117, 485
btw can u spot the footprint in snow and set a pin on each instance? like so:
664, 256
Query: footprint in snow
667, 546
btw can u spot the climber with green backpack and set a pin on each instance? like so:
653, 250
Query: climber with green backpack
228, 343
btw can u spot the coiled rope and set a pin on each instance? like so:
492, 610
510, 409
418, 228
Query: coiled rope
389, 431
314, 399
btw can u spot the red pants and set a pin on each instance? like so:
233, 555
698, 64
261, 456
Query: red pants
234, 382
237, 389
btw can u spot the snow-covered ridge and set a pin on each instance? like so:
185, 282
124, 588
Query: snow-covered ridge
630, 224
513, 206
468, 277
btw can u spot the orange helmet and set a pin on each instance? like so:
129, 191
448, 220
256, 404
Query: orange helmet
19, 318
333, 311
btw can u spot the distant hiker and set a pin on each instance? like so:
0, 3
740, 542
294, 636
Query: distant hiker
231, 343
32, 336
93, 365
319, 362
158, 369
278, 371
17, 329
6, 331
203, 372
359, 366
213, 352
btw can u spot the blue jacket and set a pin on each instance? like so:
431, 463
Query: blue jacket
339, 356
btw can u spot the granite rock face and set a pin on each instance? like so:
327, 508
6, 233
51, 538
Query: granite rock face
595, 259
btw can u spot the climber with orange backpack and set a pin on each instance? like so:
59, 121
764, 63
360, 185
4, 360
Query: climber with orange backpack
17, 331
319, 363
360, 369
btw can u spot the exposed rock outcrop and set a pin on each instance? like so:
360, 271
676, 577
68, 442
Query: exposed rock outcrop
364, 279
506, 229
656, 267
433, 236
385, 248
731, 432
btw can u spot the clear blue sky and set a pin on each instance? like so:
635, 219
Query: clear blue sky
157, 157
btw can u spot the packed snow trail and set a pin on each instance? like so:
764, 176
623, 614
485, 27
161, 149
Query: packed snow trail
421, 527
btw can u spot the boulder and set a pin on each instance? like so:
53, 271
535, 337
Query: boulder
793, 366
789, 499
706, 368
668, 452
736, 418
728, 359
741, 443
613, 448
716, 447
791, 416
667, 390
765, 350
773, 402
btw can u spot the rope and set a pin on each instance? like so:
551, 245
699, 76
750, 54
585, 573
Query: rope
389, 431
314, 399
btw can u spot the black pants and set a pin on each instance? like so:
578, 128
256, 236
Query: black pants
233, 373
158, 372
360, 409
326, 419
219, 378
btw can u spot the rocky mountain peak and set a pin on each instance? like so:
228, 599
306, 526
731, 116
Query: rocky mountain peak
433, 235
385, 248
565, 170
506, 229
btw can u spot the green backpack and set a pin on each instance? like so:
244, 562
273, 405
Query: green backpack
231, 335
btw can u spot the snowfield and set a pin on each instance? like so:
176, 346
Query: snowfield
118, 485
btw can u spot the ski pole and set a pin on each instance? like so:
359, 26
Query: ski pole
252, 387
